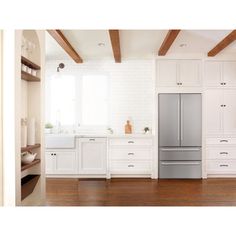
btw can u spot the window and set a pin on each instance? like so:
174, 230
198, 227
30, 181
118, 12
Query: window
79, 100
95, 100
62, 100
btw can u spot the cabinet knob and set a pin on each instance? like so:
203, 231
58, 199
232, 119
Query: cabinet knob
92, 139
130, 153
222, 153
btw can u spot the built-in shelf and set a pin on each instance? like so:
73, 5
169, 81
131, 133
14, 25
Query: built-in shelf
28, 184
28, 77
27, 166
29, 63
30, 147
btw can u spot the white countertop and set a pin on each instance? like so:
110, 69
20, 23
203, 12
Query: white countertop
104, 135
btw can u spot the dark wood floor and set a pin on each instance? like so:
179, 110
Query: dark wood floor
140, 192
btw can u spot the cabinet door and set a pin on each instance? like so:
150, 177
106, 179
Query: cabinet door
93, 156
212, 76
167, 73
229, 73
214, 111
189, 72
229, 118
49, 158
65, 162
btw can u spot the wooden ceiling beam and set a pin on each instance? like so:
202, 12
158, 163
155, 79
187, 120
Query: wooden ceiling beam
64, 43
115, 42
222, 44
168, 41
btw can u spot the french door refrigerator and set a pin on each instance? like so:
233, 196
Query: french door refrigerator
180, 135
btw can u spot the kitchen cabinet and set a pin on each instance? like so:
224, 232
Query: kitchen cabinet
180, 73
167, 73
220, 74
60, 162
130, 156
92, 156
221, 112
189, 73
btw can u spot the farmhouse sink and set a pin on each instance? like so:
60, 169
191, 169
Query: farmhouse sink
59, 141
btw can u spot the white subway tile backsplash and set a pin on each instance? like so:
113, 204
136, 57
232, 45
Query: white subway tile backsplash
131, 89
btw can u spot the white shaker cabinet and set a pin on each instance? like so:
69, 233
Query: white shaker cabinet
229, 112
179, 73
229, 73
92, 156
220, 74
213, 111
167, 73
213, 77
189, 72
60, 162
220, 111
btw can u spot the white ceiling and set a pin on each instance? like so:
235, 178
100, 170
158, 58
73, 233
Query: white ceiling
136, 44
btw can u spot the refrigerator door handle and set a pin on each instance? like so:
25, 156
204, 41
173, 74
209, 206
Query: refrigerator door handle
180, 149
181, 119
171, 163
178, 129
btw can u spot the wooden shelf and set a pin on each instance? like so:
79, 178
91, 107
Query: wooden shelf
28, 77
27, 166
29, 63
30, 147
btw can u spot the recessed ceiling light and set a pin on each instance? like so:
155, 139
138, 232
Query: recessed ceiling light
182, 45
101, 44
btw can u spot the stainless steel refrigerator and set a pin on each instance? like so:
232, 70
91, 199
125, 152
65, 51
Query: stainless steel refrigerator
180, 135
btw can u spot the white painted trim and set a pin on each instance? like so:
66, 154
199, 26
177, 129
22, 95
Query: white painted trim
9, 129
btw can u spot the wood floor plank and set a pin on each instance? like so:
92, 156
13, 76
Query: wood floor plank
140, 192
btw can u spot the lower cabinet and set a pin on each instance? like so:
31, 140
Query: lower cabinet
130, 156
92, 156
221, 156
61, 162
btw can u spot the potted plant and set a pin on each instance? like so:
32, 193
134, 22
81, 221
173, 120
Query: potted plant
48, 128
146, 130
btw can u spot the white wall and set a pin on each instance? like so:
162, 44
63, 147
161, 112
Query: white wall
131, 89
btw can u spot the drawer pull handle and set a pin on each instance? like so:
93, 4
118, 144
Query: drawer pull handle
130, 165
226, 153
130, 153
130, 141
224, 140
92, 139
224, 165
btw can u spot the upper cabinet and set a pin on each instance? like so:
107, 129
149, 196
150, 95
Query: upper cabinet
180, 73
220, 74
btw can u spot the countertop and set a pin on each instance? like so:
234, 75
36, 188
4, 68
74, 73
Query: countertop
103, 135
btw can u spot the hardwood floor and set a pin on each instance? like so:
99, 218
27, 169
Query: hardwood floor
140, 192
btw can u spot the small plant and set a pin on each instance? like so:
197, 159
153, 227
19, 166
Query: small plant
48, 126
146, 129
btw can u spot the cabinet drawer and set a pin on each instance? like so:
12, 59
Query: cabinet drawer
180, 170
221, 141
130, 167
130, 154
221, 153
131, 142
221, 166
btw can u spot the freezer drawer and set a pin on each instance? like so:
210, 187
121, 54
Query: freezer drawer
180, 170
180, 154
